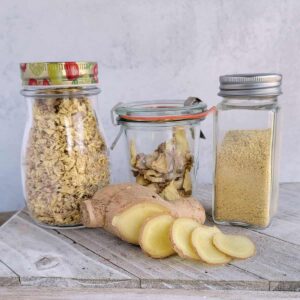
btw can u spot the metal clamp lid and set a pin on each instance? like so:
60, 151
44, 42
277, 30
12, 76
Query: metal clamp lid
160, 111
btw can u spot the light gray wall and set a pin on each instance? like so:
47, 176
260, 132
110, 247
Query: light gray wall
148, 50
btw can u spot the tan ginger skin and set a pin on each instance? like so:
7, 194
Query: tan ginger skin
115, 199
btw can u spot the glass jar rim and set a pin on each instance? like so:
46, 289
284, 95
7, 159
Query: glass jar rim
159, 111
131, 124
60, 91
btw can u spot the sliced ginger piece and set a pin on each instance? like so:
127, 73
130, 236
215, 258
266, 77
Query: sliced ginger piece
141, 180
202, 241
187, 182
170, 192
155, 238
160, 164
236, 246
181, 237
133, 153
129, 222
181, 140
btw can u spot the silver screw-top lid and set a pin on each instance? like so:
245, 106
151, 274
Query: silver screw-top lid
260, 84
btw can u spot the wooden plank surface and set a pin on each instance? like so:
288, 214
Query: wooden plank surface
41, 257
287, 223
7, 276
173, 272
93, 258
4, 216
276, 261
26, 293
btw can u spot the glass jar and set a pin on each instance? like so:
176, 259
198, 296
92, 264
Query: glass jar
163, 143
64, 155
246, 146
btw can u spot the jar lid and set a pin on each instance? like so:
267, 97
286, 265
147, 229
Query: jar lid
259, 84
59, 73
160, 111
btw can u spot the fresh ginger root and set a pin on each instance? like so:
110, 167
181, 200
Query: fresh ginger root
121, 209
154, 236
137, 215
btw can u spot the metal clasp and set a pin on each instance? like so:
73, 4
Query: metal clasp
114, 118
117, 138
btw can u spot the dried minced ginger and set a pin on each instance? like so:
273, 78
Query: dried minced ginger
243, 177
66, 159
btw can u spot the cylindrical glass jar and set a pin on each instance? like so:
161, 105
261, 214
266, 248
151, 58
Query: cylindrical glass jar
246, 146
64, 155
163, 144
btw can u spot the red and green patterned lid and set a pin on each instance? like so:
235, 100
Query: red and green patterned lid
59, 73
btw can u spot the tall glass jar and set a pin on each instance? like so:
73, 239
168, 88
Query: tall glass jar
64, 155
163, 143
246, 146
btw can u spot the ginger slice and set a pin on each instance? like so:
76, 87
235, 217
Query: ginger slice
180, 236
187, 182
133, 153
236, 246
141, 180
153, 176
160, 164
170, 192
202, 241
154, 236
182, 144
129, 222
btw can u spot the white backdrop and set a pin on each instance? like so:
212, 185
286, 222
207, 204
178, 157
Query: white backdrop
148, 50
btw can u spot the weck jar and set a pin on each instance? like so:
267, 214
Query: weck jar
163, 143
64, 155
246, 150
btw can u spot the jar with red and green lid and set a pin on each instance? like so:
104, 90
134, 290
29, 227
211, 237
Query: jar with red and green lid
64, 155
163, 143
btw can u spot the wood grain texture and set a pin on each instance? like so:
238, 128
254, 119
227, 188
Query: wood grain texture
286, 224
173, 272
4, 216
42, 258
34, 256
25, 293
276, 261
7, 276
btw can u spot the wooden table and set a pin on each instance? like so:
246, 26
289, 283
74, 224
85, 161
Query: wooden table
31, 257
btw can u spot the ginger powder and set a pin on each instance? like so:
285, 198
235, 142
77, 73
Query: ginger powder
243, 178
